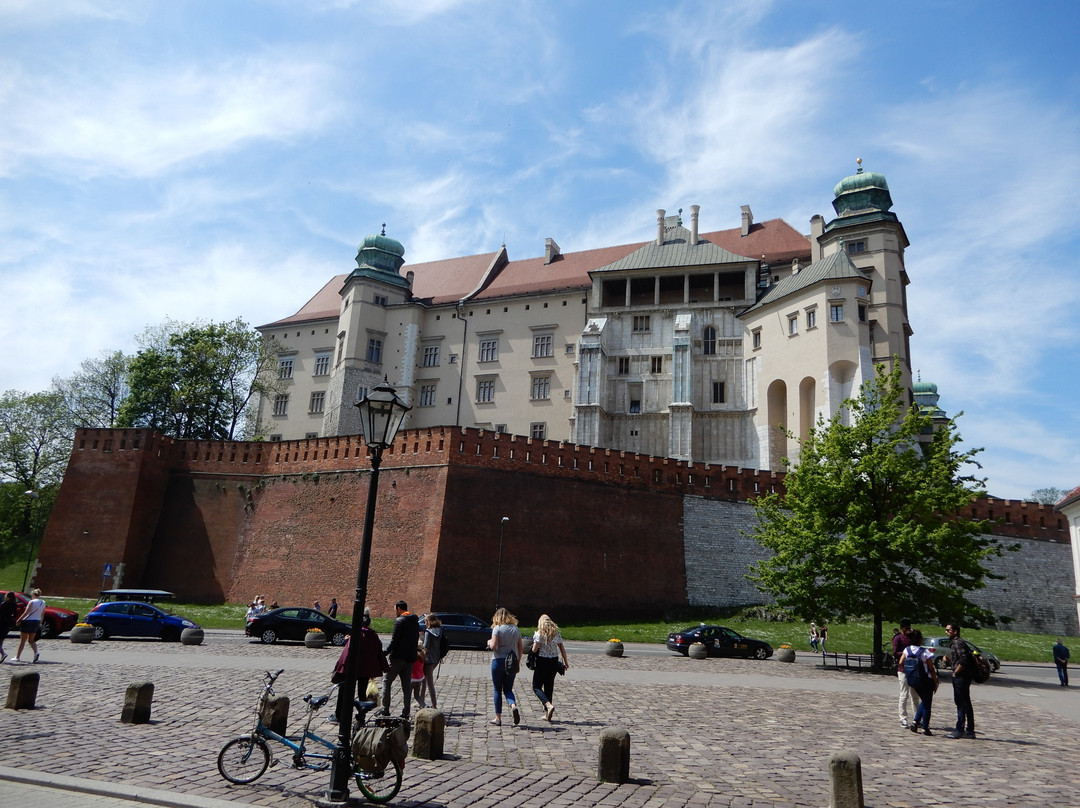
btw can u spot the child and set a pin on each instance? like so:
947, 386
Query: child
418, 683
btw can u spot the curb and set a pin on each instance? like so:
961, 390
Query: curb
100, 788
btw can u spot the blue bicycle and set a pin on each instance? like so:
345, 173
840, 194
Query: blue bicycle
245, 759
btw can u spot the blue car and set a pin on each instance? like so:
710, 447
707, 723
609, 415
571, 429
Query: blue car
129, 618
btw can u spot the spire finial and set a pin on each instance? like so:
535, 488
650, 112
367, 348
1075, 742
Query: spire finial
383, 229
858, 162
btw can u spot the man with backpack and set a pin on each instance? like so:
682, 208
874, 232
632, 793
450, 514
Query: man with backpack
907, 694
963, 673
916, 665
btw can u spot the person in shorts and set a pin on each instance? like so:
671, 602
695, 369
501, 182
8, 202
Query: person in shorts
29, 624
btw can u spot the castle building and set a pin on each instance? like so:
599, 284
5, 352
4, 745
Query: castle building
692, 345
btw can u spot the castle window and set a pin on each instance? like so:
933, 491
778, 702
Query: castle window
811, 319
624, 365
862, 313
538, 431
717, 392
856, 247
836, 312
543, 345
541, 388
427, 395
316, 403
374, 350
381, 300
640, 323
431, 356
489, 350
755, 337
485, 391
708, 337
793, 325
657, 364
285, 368
322, 364
281, 404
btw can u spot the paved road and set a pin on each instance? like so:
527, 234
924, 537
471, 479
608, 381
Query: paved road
704, 733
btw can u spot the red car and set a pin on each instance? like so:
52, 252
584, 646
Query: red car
54, 622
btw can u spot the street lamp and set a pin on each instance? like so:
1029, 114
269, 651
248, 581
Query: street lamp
498, 571
381, 413
33, 535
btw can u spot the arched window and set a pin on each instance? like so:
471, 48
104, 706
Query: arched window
708, 337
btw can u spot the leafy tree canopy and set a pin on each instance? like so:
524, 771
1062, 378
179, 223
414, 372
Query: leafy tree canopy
869, 525
1047, 496
96, 391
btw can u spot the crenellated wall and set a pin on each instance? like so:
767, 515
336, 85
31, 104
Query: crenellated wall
594, 530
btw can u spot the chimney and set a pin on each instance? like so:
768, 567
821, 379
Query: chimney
694, 210
409, 277
551, 250
747, 219
817, 229
660, 227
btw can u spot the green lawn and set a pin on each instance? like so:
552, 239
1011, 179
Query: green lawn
852, 637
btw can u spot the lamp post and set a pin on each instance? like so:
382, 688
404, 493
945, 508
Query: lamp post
498, 571
381, 413
33, 534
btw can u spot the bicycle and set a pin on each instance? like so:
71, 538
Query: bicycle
245, 759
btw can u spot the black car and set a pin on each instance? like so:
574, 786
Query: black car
293, 622
463, 630
718, 641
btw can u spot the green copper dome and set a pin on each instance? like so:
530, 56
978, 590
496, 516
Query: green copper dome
862, 192
924, 388
380, 258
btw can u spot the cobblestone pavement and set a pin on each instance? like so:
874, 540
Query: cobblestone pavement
703, 733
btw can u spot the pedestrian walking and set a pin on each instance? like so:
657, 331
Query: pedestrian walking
317, 606
332, 611
823, 636
815, 638
547, 644
8, 609
505, 640
1061, 659
917, 664
963, 673
436, 645
370, 662
907, 694
401, 654
29, 623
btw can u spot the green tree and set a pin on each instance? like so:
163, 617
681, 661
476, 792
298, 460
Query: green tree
196, 381
1046, 496
870, 524
35, 444
95, 392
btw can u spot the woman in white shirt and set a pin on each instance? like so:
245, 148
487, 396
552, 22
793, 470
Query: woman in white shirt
547, 644
29, 623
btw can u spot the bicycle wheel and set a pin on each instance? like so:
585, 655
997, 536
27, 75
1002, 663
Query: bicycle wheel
380, 786
243, 760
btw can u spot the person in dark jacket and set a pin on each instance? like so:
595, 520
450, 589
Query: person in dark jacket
8, 609
401, 654
963, 673
370, 662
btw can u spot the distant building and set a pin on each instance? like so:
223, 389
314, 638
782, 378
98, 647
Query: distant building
692, 345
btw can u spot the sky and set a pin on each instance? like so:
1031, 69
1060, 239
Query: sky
214, 160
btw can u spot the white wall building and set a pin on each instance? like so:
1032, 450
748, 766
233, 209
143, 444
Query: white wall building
691, 345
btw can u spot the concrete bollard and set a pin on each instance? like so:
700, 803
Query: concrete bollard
614, 765
274, 713
137, 703
845, 780
428, 734
22, 691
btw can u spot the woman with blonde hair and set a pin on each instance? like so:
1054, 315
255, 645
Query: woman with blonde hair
505, 640
547, 644
29, 624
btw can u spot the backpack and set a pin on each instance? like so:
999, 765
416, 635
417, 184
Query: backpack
982, 668
444, 645
914, 670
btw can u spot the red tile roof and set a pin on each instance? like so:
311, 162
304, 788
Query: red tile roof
451, 279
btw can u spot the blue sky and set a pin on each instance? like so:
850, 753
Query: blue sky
221, 159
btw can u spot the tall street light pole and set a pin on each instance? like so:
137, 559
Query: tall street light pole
33, 534
498, 571
381, 413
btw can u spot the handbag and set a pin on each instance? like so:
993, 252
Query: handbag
560, 668
530, 660
511, 663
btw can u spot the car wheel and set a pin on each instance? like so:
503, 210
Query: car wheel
100, 633
761, 653
268, 637
940, 663
339, 638
48, 629
995, 666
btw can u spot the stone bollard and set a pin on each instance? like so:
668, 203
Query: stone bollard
698, 651
274, 713
614, 766
845, 780
191, 636
22, 691
428, 734
137, 702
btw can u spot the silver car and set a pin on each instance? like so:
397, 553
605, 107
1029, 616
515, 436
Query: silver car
940, 647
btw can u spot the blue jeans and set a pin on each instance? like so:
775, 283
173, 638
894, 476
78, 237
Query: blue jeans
504, 683
965, 715
926, 704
